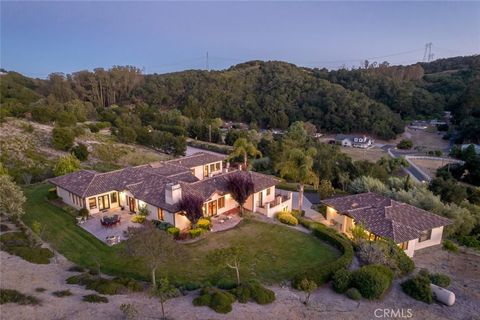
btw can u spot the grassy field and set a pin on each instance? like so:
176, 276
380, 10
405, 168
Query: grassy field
273, 252
357, 154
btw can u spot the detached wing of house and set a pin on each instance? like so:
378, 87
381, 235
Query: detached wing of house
410, 227
159, 187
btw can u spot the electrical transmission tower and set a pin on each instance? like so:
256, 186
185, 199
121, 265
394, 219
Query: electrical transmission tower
428, 55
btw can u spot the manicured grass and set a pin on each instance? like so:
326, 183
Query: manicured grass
272, 252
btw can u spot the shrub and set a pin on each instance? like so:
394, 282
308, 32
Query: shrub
353, 294
192, 285
40, 289
93, 128
405, 144
52, 194
31, 254
83, 212
341, 280
418, 288
62, 138
440, 279
203, 224
138, 219
105, 286
226, 284
472, 241
222, 301
130, 284
194, 233
62, 293
80, 152
372, 281
173, 231
129, 311
95, 298
298, 214
4, 227
202, 300
76, 269
243, 293
253, 290
162, 225
450, 246
13, 296
287, 218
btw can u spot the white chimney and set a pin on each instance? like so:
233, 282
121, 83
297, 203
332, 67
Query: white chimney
173, 193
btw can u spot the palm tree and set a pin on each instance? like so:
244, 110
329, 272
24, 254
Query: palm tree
243, 147
298, 166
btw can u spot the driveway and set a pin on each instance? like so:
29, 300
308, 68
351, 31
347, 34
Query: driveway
307, 206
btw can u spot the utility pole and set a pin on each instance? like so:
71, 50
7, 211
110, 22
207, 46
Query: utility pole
206, 64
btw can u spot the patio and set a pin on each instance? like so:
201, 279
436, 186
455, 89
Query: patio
114, 232
226, 220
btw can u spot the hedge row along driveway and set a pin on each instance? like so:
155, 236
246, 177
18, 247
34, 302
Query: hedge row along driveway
272, 252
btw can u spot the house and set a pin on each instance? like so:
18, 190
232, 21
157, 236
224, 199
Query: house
159, 187
410, 227
354, 141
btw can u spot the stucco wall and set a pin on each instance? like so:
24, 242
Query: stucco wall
112, 205
435, 239
230, 203
65, 195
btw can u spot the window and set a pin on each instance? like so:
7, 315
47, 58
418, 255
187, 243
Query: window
425, 235
92, 203
268, 191
205, 171
217, 166
212, 167
160, 214
221, 202
192, 171
403, 245
113, 197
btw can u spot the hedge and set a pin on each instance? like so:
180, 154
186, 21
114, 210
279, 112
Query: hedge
323, 272
353, 294
203, 224
287, 218
341, 280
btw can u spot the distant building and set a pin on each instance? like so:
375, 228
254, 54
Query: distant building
419, 125
354, 141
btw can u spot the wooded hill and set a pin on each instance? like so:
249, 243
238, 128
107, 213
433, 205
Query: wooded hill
376, 98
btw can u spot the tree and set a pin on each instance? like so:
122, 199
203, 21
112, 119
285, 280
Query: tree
66, 164
325, 189
192, 206
80, 152
229, 257
298, 166
240, 186
12, 199
307, 286
126, 134
164, 291
343, 179
152, 246
62, 138
242, 147
405, 144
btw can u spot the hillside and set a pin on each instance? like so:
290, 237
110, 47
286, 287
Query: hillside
375, 99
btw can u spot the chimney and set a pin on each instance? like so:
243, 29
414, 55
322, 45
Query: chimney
173, 193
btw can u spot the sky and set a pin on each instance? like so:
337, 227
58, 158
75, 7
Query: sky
38, 38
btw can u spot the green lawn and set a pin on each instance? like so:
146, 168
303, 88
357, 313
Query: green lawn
273, 252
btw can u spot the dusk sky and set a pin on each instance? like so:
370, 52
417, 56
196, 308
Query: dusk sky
38, 38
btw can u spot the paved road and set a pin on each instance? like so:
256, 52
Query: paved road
411, 170
192, 150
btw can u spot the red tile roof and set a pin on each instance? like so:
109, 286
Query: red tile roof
386, 217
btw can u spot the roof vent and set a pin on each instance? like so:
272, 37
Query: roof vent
354, 205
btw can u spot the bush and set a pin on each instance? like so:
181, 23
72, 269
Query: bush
226, 284
138, 219
405, 144
162, 225
173, 231
106, 286
95, 298
341, 280
440, 279
287, 218
52, 194
80, 152
418, 288
202, 300
450, 246
222, 301
194, 233
83, 212
298, 214
193, 285
253, 290
76, 269
61, 294
13, 296
62, 138
130, 284
93, 128
372, 281
472, 241
322, 273
40, 289
4, 227
23, 249
353, 294
203, 224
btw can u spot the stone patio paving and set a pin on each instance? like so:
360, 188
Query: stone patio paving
94, 226
225, 220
